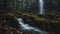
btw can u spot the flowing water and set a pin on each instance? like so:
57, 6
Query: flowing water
41, 7
27, 27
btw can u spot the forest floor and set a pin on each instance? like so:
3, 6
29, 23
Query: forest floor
47, 22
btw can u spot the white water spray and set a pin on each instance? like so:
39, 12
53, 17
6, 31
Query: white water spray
41, 7
29, 28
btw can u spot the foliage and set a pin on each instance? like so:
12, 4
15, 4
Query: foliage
23, 5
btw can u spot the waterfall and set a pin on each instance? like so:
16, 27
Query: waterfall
29, 28
41, 7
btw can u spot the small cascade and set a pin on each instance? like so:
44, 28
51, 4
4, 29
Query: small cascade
27, 27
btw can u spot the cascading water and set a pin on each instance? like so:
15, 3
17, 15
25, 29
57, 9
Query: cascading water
41, 7
27, 27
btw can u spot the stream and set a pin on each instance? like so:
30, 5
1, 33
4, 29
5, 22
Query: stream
27, 27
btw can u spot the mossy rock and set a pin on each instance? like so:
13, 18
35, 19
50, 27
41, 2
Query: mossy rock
9, 20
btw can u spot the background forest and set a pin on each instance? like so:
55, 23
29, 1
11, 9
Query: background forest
33, 5
28, 10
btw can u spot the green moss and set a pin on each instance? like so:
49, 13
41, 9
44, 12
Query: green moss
14, 16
